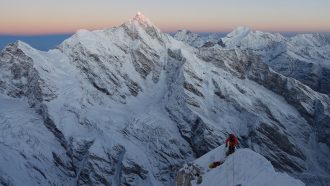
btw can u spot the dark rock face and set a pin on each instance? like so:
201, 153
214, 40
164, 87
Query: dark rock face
313, 75
192, 89
5, 182
322, 123
324, 85
145, 66
160, 144
271, 138
21, 73
131, 171
95, 169
220, 42
208, 44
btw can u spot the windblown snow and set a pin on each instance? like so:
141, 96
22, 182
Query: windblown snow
130, 105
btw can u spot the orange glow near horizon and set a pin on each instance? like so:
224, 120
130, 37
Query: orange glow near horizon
40, 17
44, 28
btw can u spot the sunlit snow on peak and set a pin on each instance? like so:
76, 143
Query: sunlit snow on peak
142, 19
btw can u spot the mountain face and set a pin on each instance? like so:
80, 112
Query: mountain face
304, 57
196, 40
130, 105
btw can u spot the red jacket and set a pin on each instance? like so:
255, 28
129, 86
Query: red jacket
232, 143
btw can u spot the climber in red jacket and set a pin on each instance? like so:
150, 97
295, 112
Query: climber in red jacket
233, 142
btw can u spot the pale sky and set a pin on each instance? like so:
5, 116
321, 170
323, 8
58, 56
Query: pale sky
66, 16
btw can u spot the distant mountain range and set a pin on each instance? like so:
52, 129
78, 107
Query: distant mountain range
304, 57
46, 42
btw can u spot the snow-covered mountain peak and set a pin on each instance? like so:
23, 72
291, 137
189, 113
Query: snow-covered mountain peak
245, 33
240, 31
141, 19
244, 38
140, 28
185, 34
189, 37
137, 28
184, 31
18, 48
19, 44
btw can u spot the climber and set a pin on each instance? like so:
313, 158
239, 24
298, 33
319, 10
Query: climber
233, 142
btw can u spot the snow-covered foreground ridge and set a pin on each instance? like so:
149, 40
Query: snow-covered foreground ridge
130, 105
244, 167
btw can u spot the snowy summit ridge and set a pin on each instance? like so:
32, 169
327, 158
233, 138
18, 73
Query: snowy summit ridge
130, 105
141, 19
244, 167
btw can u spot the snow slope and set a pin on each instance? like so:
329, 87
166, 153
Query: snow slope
26, 147
244, 167
129, 105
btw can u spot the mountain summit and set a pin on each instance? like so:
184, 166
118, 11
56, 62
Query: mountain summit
142, 19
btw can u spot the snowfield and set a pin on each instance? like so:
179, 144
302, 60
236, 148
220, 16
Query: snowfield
244, 167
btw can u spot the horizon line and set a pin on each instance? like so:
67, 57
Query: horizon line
165, 31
